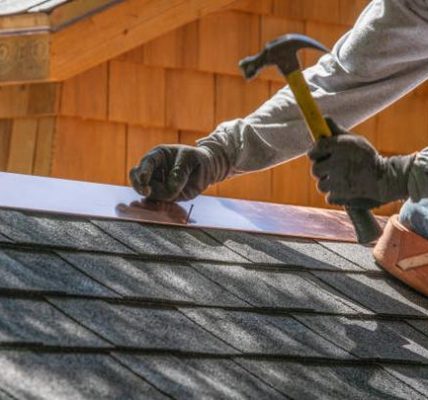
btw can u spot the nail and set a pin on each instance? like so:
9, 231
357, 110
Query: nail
188, 214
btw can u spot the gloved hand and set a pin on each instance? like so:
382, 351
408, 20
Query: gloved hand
350, 170
178, 172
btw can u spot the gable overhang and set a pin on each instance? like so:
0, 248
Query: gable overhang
78, 35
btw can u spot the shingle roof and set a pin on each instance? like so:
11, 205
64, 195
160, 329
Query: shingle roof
93, 309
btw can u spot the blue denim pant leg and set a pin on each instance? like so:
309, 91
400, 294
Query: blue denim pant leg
414, 216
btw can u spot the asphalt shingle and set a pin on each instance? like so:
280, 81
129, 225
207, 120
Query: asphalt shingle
420, 325
4, 239
199, 378
314, 382
282, 251
149, 328
5, 396
44, 272
414, 376
152, 280
28, 375
388, 340
313, 315
278, 289
381, 294
35, 321
168, 241
265, 334
54, 231
360, 255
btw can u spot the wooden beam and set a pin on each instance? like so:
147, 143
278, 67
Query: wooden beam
13, 24
24, 58
119, 29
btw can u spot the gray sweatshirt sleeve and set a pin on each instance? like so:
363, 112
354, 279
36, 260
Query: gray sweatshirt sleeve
384, 56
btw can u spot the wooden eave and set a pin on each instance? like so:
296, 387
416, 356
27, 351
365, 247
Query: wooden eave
57, 44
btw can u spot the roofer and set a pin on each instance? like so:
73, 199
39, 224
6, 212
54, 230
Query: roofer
383, 57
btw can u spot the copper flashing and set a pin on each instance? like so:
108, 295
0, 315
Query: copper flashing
59, 196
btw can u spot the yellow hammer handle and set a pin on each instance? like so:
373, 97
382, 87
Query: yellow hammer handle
309, 108
366, 227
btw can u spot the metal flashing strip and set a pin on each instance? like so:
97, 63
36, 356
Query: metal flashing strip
66, 197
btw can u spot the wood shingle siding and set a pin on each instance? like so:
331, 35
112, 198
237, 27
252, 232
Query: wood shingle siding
90, 151
86, 94
136, 94
225, 38
190, 100
22, 146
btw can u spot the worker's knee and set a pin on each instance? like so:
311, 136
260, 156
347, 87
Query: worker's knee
414, 216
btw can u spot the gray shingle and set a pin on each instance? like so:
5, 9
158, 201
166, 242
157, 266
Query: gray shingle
414, 376
285, 289
281, 251
314, 382
4, 239
149, 328
5, 396
389, 340
34, 321
199, 378
420, 325
61, 232
360, 255
382, 294
27, 375
264, 334
43, 271
165, 281
168, 241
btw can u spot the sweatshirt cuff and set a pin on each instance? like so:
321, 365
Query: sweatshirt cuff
418, 177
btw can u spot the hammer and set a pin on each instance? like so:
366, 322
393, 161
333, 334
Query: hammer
282, 52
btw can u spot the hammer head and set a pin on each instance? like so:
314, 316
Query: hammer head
281, 52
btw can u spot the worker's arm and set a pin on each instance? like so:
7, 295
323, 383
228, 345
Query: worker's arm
382, 58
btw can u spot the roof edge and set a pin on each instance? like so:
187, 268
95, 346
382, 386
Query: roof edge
65, 197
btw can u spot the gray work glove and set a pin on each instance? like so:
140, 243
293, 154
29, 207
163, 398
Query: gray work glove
350, 170
178, 172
